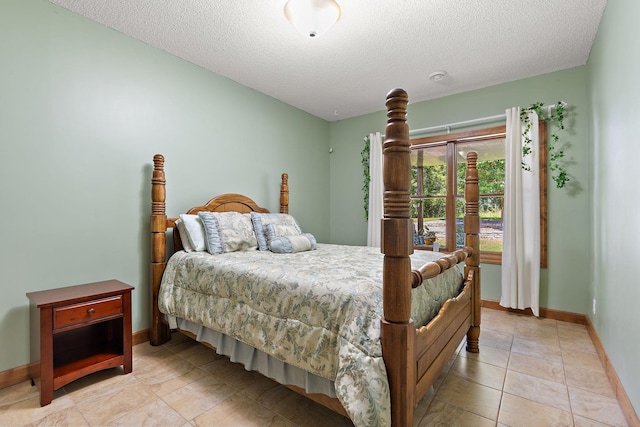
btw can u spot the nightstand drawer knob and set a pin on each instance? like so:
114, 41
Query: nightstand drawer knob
91, 311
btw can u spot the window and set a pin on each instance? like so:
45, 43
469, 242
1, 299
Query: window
438, 166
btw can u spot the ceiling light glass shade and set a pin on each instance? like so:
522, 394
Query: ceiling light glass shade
312, 18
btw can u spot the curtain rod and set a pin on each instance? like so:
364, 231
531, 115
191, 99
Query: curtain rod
471, 122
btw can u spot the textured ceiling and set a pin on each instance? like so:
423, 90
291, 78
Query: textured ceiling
377, 44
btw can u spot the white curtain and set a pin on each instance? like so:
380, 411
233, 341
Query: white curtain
375, 189
521, 239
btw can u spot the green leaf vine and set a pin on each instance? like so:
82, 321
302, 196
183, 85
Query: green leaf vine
558, 172
367, 178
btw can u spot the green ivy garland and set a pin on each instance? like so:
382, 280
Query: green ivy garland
559, 173
365, 170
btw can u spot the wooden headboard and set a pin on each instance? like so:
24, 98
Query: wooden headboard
160, 223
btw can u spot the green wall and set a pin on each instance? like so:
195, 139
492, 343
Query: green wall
564, 285
614, 67
83, 109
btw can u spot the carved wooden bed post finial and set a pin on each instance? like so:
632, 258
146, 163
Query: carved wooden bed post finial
398, 330
284, 194
472, 239
158, 195
159, 330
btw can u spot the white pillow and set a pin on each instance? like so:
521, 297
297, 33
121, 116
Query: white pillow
195, 231
184, 238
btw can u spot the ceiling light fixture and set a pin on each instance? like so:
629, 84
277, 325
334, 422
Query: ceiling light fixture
437, 76
312, 18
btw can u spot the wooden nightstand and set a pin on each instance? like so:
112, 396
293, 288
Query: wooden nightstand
78, 330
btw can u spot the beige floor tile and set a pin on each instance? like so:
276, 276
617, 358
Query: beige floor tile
99, 385
538, 390
65, 417
577, 332
279, 421
490, 355
299, 409
545, 335
199, 354
151, 363
260, 386
161, 369
587, 379
29, 411
535, 349
233, 374
155, 413
442, 414
496, 339
582, 359
520, 412
9, 396
17, 393
572, 328
570, 325
499, 321
579, 421
469, 396
163, 385
479, 372
121, 401
180, 346
574, 339
145, 351
236, 411
198, 396
596, 407
536, 322
541, 368
177, 339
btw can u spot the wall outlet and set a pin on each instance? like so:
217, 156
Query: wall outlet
594, 307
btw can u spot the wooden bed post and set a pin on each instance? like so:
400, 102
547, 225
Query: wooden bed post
159, 330
398, 331
472, 239
284, 194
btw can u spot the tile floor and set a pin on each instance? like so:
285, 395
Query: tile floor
530, 372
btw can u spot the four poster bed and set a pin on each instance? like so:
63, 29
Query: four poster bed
347, 326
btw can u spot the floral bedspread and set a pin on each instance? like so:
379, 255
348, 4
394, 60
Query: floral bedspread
318, 310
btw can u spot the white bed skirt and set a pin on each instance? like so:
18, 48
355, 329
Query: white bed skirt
256, 360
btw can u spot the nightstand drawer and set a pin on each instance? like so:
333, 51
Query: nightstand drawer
87, 311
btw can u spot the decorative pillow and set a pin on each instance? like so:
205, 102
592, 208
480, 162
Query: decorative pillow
278, 230
194, 231
293, 244
228, 232
184, 237
260, 222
